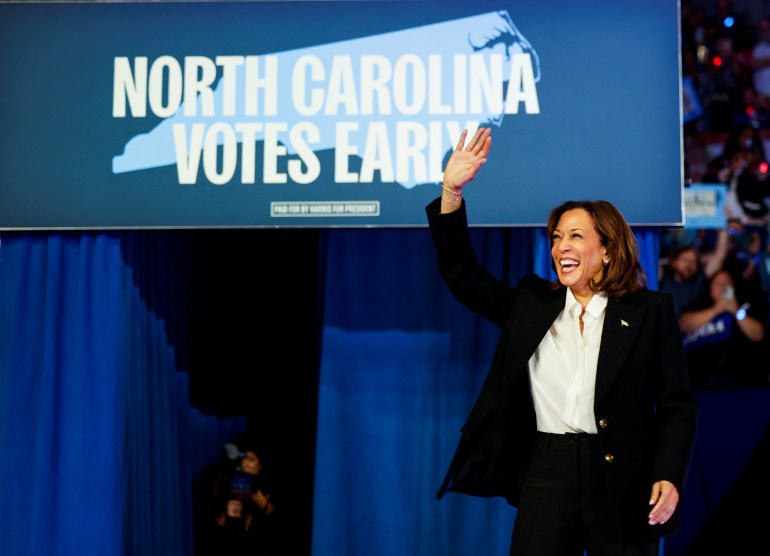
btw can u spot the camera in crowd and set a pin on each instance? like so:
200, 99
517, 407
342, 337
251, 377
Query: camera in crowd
242, 485
740, 238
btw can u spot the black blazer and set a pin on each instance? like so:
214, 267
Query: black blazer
645, 411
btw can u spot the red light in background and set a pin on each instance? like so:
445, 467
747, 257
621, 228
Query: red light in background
749, 110
763, 167
717, 61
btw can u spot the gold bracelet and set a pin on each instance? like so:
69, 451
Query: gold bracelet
455, 193
450, 202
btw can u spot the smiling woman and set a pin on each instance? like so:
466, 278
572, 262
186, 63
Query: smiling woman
587, 236
585, 422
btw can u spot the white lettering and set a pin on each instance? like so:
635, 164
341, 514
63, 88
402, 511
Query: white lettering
268, 84
273, 150
408, 85
299, 85
188, 157
435, 75
297, 137
409, 73
411, 85
415, 159
343, 152
521, 86
166, 85
460, 84
165, 65
220, 134
131, 86
248, 150
342, 87
375, 75
199, 75
217, 148
377, 155
411, 139
228, 83
486, 83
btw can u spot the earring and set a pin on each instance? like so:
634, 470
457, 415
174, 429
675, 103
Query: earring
606, 262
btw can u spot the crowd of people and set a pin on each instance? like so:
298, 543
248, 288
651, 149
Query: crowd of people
721, 300
726, 56
720, 278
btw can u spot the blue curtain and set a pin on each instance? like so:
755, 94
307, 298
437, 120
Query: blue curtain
62, 387
100, 445
401, 364
95, 424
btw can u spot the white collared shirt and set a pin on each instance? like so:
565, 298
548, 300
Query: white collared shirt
562, 371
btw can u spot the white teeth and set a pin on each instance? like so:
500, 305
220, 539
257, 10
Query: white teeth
568, 263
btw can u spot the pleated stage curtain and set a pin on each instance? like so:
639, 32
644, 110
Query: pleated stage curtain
95, 425
99, 444
401, 365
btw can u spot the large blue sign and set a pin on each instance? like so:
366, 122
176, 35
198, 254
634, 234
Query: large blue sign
314, 114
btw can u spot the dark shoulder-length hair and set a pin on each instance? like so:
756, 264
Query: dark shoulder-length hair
623, 274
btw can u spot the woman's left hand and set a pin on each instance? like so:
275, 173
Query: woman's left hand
465, 161
664, 499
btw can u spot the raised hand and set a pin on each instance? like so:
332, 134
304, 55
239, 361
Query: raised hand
465, 161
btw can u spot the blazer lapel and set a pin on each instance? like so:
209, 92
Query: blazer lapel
539, 318
622, 323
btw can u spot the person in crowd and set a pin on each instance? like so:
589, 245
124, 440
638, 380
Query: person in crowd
744, 248
743, 167
752, 193
717, 170
724, 335
744, 149
585, 421
243, 511
673, 239
685, 276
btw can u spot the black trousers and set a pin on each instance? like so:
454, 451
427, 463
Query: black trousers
565, 508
